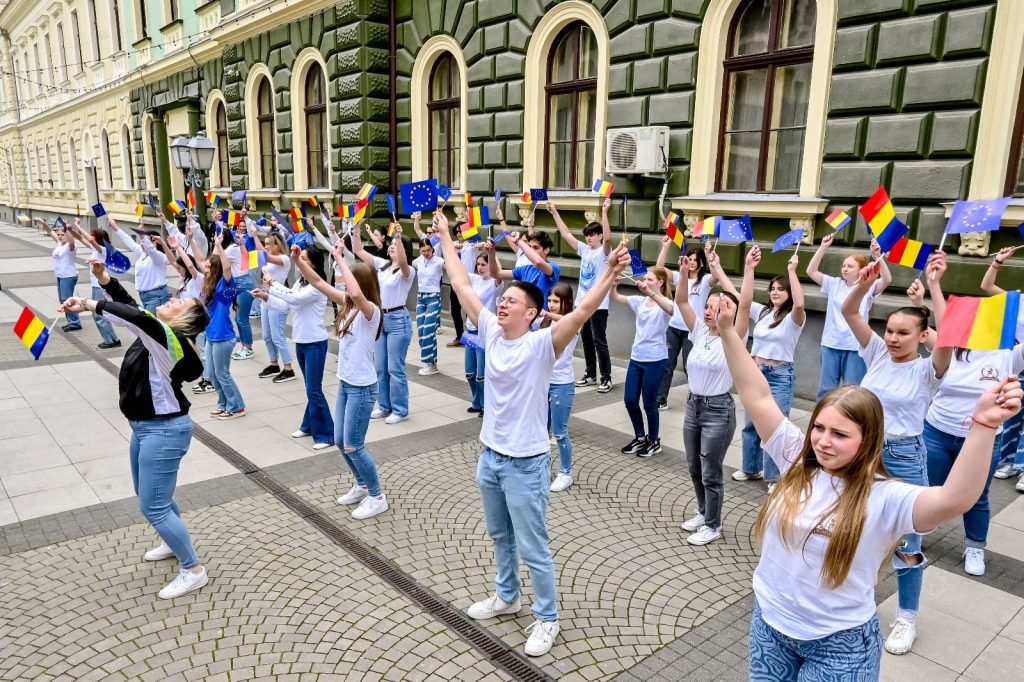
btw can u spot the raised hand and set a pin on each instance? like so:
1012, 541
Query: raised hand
725, 318
876, 249
753, 257
869, 273
794, 261
826, 241
998, 403
936, 265
916, 293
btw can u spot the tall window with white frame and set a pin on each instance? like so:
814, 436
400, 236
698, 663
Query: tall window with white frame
73, 158
94, 28
51, 68
173, 11
315, 111
571, 110
220, 127
115, 27
141, 21
76, 35
37, 74
49, 166
108, 168
61, 179
1015, 171
767, 87
265, 121
62, 52
127, 162
445, 111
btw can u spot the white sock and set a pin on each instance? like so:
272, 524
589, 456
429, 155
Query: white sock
907, 615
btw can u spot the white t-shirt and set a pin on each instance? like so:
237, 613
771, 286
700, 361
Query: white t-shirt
234, 255
99, 254
787, 581
965, 381
279, 272
837, 334
904, 388
564, 372
592, 265
394, 286
487, 291
193, 289
516, 389
698, 297
706, 368
651, 323
468, 251
355, 350
773, 344
428, 274
64, 261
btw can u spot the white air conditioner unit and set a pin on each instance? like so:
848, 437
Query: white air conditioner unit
637, 150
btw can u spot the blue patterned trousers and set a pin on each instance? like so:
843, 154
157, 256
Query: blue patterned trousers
428, 315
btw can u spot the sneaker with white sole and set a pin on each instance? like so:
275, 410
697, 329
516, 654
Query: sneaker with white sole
651, 447
604, 386
561, 482
493, 607
378, 413
1020, 483
243, 353
634, 446
704, 535
186, 582
322, 446
232, 415
694, 524
974, 561
395, 418
370, 506
299, 434
901, 638
428, 370
1006, 471
741, 475
357, 494
159, 553
585, 381
542, 636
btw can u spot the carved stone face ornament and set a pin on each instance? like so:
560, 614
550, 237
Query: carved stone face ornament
974, 244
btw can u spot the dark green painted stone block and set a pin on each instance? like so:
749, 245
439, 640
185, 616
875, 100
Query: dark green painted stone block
404, 157
935, 180
969, 32
491, 10
877, 90
694, 9
509, 65
626, 112
508, 124
518, 35
679, 144
481, 71
670, 35
473, 48
514, 152
931, 223
474, 99
652, 9
475, 154
494, 154
404, 135
954, 133
480, 126
844, 138
466, 23
620, 79
510, 180
347, 86
478, 180
284, 162
679, 183
632, 43
530, 11
902, 135
649, 75
673, 109
496, 38
514, 98
681, 71
618, 17
914, 39
283, 121
853, 180
873, 9
494, 96
377, 109
957, 83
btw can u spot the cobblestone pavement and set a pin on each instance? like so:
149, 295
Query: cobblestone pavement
300, 590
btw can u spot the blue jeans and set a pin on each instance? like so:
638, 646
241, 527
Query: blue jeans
390, 352
428, 316
515, 496
475, 365
218, 364
201, 345
65, 290
678, 341
708, 428
560, 397
781, 379
1013, 428
644, 378
316, 420
107, 332
907, 460
353, 407
840, 367
245, 284
156, 449
943, 449
854, 654
154, 298
273, 323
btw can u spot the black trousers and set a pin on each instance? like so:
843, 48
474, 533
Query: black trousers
594, 335
677, 340
456, 310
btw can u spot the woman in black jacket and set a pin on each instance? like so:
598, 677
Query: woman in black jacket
162, 358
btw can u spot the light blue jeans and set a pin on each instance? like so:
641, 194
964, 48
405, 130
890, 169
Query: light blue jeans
316, 420
1013, 428
352, 410
65, 290
156, 449
106, 329
245, 284
515, 496
560, 399
393, 344
218, 364
428, 315
943, 449
781, 379
154, 298
202, 346
475, 364
273, 323
840, 367
907, 460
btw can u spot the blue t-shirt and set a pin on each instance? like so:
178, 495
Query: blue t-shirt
220, 327
534, 275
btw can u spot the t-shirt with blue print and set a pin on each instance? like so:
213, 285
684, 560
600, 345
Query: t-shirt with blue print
534, 275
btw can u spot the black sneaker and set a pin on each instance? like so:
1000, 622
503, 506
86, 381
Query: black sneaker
71, 328
635, 446
606, 385
203, 386
651, 447
473, 409
586, 381
285, 375
107, 345
662, 404
269, 371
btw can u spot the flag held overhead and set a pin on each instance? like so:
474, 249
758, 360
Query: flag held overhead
603, 187
707, 227
176, 206
418, 196
444, 192
910, 253
392, 208
636, 263
99, 211
980, 323
976, 216
239, 195
838, 219
882, 221
115, 261
736, 231
787, 240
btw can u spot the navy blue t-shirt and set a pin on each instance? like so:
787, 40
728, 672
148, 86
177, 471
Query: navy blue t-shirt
534, 275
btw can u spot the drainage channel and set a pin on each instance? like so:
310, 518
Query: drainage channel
492, 648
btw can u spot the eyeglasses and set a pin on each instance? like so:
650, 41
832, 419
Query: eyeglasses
512, 300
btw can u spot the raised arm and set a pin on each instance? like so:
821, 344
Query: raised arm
416, 218
606, 227
662, 302
666, 244
851, 306
941, 357
126, 239
493, 264
796, 291
225, 262
683, 295
310, 275
400, 259
183, 254
988, 282
535, 258
563, 229
616, 296
48, 229
569, 326
885, 277
812, 267
746, 296
457, 275
357, 246
719, 275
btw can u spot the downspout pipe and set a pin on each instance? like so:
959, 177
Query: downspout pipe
393, 97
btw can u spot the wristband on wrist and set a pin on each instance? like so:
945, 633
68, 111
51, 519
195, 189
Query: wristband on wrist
975, 420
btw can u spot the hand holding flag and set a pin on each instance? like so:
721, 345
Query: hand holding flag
789, 239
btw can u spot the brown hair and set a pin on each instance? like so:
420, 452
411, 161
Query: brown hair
366, 278
666, 280
785, 309
215, 275
862, 261
563, 290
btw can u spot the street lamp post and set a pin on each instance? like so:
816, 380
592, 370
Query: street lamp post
194, 158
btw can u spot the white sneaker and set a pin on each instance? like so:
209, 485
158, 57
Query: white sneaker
186, 582
428, 370
771, 487
542, 636
299, 434
974, 561
1006, 471
1020, 483
561, 482
704, 535
355, 495
492, 607
370, 506
395, 418
694, 524
159, 553
243, 353
740, 475
901, 638
378, 413
322, 446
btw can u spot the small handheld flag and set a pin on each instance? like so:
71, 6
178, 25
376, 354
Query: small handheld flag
881, 218
151, 200
278, 217
233, 218
115, 261
636, 263
976, 216
297, 213
444, 193
239, 195
469, 200
501, 235
675, 234
59, 222
789, 239
346, 211
980, 323
389, 198
313, 202
707, 227
838, 219
418, 196
471, 341
479, 216
497, 195
367, 192
360, 211
257, 259
603, 187
32, 332
538, 195
99, 211
22, 218
190, 197
176, 206
212, 199
470, 232
139, 209
736, 231
910, 253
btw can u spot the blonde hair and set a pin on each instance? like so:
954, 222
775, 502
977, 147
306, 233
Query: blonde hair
366, 277
666, 281
793, 488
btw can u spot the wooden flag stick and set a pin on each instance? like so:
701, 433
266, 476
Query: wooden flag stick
797, 249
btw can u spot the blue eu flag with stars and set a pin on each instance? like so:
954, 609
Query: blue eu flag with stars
738, 230
636, 263
418, 196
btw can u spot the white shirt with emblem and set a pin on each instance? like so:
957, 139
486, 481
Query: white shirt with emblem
966, 379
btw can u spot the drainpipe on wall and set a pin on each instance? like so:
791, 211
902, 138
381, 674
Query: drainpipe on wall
393, 82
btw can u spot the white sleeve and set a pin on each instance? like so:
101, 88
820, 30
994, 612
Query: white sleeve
785, 445
874, 350
128, 242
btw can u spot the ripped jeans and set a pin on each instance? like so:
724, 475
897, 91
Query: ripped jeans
907, 460
352, 419
560, 399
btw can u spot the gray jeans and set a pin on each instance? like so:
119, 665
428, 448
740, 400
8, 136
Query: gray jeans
707, 432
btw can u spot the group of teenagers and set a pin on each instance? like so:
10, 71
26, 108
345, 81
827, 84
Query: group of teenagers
897, 443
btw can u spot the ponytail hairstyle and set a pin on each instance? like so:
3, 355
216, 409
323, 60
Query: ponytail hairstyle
366, 278
563, 290
920, 313
785, 309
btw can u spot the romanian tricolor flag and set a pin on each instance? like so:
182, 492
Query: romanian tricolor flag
313, 202
297, 226
233, 218
672, 222
366, 193
190, 196
469, 200
22, 218
256, 259
881, 218
673, 218
980, 323
212, 199
470, 233
910, 253
707, 227
393, 228
32, 332
360, 209
139, 209
297, 213
603, 187
346, 211
176, 206
838, 219
479, 216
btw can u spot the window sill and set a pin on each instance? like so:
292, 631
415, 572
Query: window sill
170, 26
142, 43
568, 199
323, 195
757, 205
267, 193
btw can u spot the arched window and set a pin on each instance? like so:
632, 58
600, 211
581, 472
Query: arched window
571, 109
49, 166
265, 120
445, 121
1015, 173
151, 174
220, 135
127, 162
315, 110
61, 178
73, 159
767, 84
108, 169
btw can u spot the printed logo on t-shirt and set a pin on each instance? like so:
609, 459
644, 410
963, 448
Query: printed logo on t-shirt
989, 373
588, 273
825, 526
